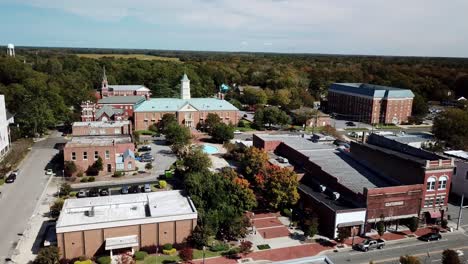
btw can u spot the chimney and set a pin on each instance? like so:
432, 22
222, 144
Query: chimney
147, 97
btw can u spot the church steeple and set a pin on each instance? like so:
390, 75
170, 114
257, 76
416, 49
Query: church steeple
185, 87
104, 77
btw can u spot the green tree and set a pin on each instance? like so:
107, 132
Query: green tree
380, 228
210, 122
409, 260
47, 255
450, 257
311, 227
69, 167
65, 189
253, 162
413, 224
166, 120
420, 106
278, 186
57, 206
195, 160
178, 137
272, 116
253, 96
343, 234
222, 133
451, 126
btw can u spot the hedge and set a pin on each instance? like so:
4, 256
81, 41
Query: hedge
140, 255
167, 246
104, 260
169, 251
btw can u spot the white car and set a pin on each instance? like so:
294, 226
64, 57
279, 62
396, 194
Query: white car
49, 172
237, 132
459, 252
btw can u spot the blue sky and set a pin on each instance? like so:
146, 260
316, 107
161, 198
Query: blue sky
396, 27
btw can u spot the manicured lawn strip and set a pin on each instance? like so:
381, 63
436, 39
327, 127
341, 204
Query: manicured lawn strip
263, 247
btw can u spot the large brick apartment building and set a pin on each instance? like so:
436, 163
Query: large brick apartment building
93, 226
188, 111
369, 103
349, 193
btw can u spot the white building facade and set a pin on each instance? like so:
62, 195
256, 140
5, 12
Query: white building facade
5, 121
460, 174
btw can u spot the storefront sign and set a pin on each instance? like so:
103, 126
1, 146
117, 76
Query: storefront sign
394, 203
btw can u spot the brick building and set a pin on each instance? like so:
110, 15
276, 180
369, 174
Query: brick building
97, 128
373, 104
116, 152
93, 226
121, 90
342, 190
110, 108
407, 165
188, 111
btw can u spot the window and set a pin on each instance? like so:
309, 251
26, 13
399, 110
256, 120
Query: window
107, 154
440, 200
96, 155
454, 170
85, 155
442, 182
129, 166
73, 156
430, 186
429, 202
117, 131
93, 132
102, 131
466, 176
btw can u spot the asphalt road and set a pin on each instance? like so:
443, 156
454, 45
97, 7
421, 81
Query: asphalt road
19, 199
427, 252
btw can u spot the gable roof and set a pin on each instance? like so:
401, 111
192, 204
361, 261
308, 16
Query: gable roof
117, 87
174, 104
132, 99
128, 153
108, 110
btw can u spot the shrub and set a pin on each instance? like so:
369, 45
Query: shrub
118, 174
91, 179
167, 246
162, 184
104, 260
148, 166
150, 249
84, 179
263, 247
186, 254
380, 228
450, 257
65, 189
47, 255
92, 171
169, 251
245, 247
444, 223
140, 255
79, 174
287, 212
69, 168
413, 224
232, 253
219, 247
88, 261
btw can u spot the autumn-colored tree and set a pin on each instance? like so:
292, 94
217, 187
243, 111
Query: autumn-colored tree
278, 186
253, 162
210, 122
409, 260
450, 256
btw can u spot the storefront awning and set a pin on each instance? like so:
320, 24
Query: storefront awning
435, 214
121, 242
355, 223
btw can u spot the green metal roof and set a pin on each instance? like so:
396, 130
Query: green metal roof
133, 99
174, 104
372, 90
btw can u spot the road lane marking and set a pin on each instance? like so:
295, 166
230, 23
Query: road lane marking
416, 255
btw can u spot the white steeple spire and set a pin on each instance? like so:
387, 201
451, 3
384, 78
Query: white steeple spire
185, 87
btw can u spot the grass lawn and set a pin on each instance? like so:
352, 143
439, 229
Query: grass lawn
387, 127
128, 56
198, 254
158, 259
356, 129
244, 129
2, 181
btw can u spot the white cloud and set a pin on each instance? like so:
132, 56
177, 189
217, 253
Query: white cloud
418, 27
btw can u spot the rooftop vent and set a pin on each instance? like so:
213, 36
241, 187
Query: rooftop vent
336, 196
134, 208
90, 212
322, 188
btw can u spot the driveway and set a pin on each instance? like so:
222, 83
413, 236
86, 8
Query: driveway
19, 199
163, 155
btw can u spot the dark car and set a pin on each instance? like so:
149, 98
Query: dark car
93, 192
124, 190
349, 123
134, 189
144, 148
11, 178
430, 237
146, 158
104, 192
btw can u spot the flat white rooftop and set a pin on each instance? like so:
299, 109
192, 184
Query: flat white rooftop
457, 153
124, 210
83, 141
102, 124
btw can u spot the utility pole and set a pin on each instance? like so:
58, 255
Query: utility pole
460, 212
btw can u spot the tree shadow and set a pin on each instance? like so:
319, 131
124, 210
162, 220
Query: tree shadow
41, 235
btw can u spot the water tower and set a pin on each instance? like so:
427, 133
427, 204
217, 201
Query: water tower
11, 50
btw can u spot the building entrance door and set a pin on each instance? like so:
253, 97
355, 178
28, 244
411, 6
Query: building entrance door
109, 167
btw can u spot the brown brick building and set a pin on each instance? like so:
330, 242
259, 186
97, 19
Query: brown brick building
188, 111
102, 128
369, 103
341, 189
93, 226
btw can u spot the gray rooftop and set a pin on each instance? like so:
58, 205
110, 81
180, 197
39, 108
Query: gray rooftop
372, 90
174, 104
116, 87
102, 124
83, 141
296, 142
324, 198
345, 169
133, 99
123, 210
411, 138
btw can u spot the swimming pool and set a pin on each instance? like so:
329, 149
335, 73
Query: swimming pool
210, 149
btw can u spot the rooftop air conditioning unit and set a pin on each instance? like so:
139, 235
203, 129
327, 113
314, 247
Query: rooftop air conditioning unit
336, 195
322, 188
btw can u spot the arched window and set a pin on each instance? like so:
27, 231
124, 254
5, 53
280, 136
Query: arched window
430, 184
442, 182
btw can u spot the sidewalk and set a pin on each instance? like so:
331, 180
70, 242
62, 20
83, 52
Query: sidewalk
29, 244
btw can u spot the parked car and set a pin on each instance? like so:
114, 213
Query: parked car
370, 244
82, 193
237, 132
147, 188
49, 172
282, 160
134, 189
430, 237
104, 192
145, 148
349, 123
147, 158
124, 190
93, 192
11, 178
